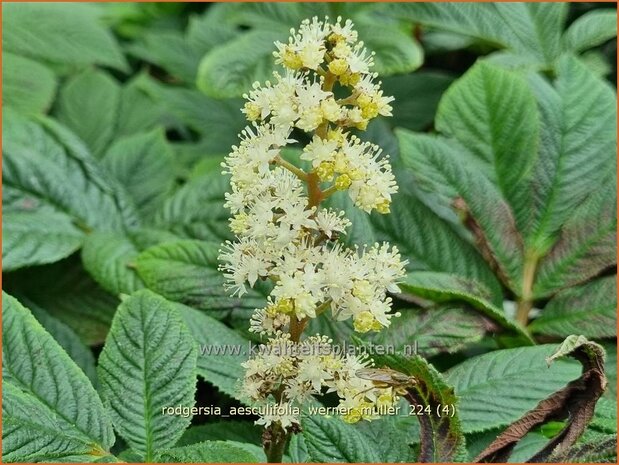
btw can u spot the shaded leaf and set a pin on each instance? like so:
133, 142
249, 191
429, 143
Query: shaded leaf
592, 28
208, 452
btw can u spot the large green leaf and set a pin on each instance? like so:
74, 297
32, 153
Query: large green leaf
51, 412
230, 69
148, 363
590, 310
493, 113
233, 430
444, 287
88, 105
430, 244
144, 164
186, 272
27, 86
32, 29
208, 452
138, 111
577, 146
446, 170
593, 28
329, 439
497, 388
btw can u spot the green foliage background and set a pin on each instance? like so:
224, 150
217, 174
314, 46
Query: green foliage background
115, 120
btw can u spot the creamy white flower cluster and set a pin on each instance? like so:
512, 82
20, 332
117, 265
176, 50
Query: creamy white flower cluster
299, 370
284, 234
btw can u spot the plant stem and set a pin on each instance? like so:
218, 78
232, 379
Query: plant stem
525, 301
290, 167
277, 444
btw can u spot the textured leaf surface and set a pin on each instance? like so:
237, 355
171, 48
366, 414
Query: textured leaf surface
47, 167
148, 362
329, 439
27, 86
396, 51
229, 70
592, 28
186, 272
444, 287
31, 29
37, 237
430, 244
220, 350
88, 105
493, 113
144, 164
442, 168
50, 410
209, 452
590, 310
79, 352
577, 146
435, 330
495, 389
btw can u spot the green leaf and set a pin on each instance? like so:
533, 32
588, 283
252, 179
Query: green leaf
108, 258
51, 411
577, 146
31, 29
170, 51
444, 287
451, 174
586, 245
602, 449
68, 340
208, 452
196, 210
430, 244
329, 439
593, 28
589, 310
37, 237
397, 52
138, 111
493, 113
88, 105
417, 96
210, 29
219, 121
497, 388
144, 164
27, 86
65, 291
230, 69
440, 434
529, 29
47, 167
221, 350
186, 272
148, 363
434, 330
